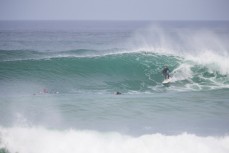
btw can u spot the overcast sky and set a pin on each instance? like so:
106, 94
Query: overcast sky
114, 9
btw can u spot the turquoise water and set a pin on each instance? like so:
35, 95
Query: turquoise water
58, 81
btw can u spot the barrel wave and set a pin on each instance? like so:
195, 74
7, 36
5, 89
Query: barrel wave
80, 70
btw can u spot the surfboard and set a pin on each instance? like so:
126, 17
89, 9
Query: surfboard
166, 81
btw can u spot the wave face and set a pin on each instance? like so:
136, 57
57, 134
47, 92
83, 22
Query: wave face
125, 72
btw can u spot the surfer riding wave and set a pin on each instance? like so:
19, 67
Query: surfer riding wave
165, 72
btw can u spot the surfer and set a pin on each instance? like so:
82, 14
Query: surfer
165, 72
117, 93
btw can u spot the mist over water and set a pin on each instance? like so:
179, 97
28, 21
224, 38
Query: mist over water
58, 79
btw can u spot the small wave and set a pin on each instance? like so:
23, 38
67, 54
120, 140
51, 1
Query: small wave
24, 55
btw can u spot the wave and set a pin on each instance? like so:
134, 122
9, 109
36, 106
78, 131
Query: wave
21, 55
42, 140
124, 71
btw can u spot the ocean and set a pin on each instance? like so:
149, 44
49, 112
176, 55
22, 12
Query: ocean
59, 82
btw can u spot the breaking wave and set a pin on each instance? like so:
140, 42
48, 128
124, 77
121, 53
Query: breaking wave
42, 140
111, 71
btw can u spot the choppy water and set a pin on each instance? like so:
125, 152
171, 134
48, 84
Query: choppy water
58, 79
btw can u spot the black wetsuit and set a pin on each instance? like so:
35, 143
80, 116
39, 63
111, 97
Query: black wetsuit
165, 72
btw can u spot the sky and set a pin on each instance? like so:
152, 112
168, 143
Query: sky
114, 9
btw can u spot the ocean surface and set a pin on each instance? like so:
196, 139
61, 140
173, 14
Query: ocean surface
58, 84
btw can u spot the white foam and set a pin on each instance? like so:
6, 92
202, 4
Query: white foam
182, 72
42, 140
203, 46
213, 61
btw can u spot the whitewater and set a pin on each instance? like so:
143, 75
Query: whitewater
59, 79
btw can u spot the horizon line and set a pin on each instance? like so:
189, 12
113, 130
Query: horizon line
114, 20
